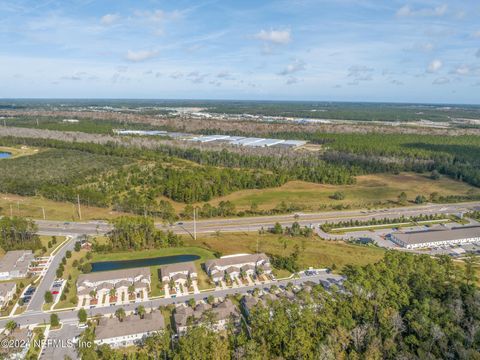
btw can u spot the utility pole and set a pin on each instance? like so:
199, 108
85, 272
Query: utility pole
43, 211
79, 210
194, 224
11, 211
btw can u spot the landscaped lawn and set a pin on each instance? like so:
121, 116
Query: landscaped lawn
313, 251
72, 272
44, 240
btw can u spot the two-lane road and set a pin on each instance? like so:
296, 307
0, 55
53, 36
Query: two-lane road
38, 317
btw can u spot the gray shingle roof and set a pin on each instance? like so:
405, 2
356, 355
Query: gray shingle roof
133, 324
438, 235
183, 266
6, 287
12, 260
235, 260
114, 275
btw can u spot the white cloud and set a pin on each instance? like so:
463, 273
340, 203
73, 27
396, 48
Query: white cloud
441, 81
434, 66
141, 55
359, 73
274, 36
476, 34
159, 15
296, 66
407, 10
462, 70
291, 80
109, 19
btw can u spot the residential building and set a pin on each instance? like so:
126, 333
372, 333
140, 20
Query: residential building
20, 339
439, 236
216, 317
131, 331
15, 264
178, 272
7, 291
234, 265
101, 283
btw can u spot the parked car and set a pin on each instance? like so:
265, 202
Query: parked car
55, 292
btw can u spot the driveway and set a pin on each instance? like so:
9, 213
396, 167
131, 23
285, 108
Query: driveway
46, 282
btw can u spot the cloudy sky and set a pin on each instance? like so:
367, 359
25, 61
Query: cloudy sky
352, 50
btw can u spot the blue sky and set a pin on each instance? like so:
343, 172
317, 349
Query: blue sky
339, 50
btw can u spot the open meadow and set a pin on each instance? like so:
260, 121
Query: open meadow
378, 190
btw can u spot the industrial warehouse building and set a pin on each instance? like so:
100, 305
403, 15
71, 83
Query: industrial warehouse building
437, 237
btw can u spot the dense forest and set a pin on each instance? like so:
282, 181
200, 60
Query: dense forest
132, 178
403, 307
137, 233
304, 109
18, 234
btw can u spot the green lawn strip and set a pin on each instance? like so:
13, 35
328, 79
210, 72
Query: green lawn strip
34, 350
71, 274
343, 230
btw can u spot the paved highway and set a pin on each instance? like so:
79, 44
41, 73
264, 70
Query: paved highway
256, 223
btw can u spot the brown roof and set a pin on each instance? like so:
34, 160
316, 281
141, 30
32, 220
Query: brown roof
114, 275
235, 260
133, 324
224, 310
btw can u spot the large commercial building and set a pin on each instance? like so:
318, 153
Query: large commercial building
15, 264
439, 236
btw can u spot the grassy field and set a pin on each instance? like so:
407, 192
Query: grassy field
32, 207
314, 252
370, 190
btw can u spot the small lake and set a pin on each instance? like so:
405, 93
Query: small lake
5, 155
128, 264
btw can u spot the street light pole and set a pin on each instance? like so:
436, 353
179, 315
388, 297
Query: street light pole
194, 224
